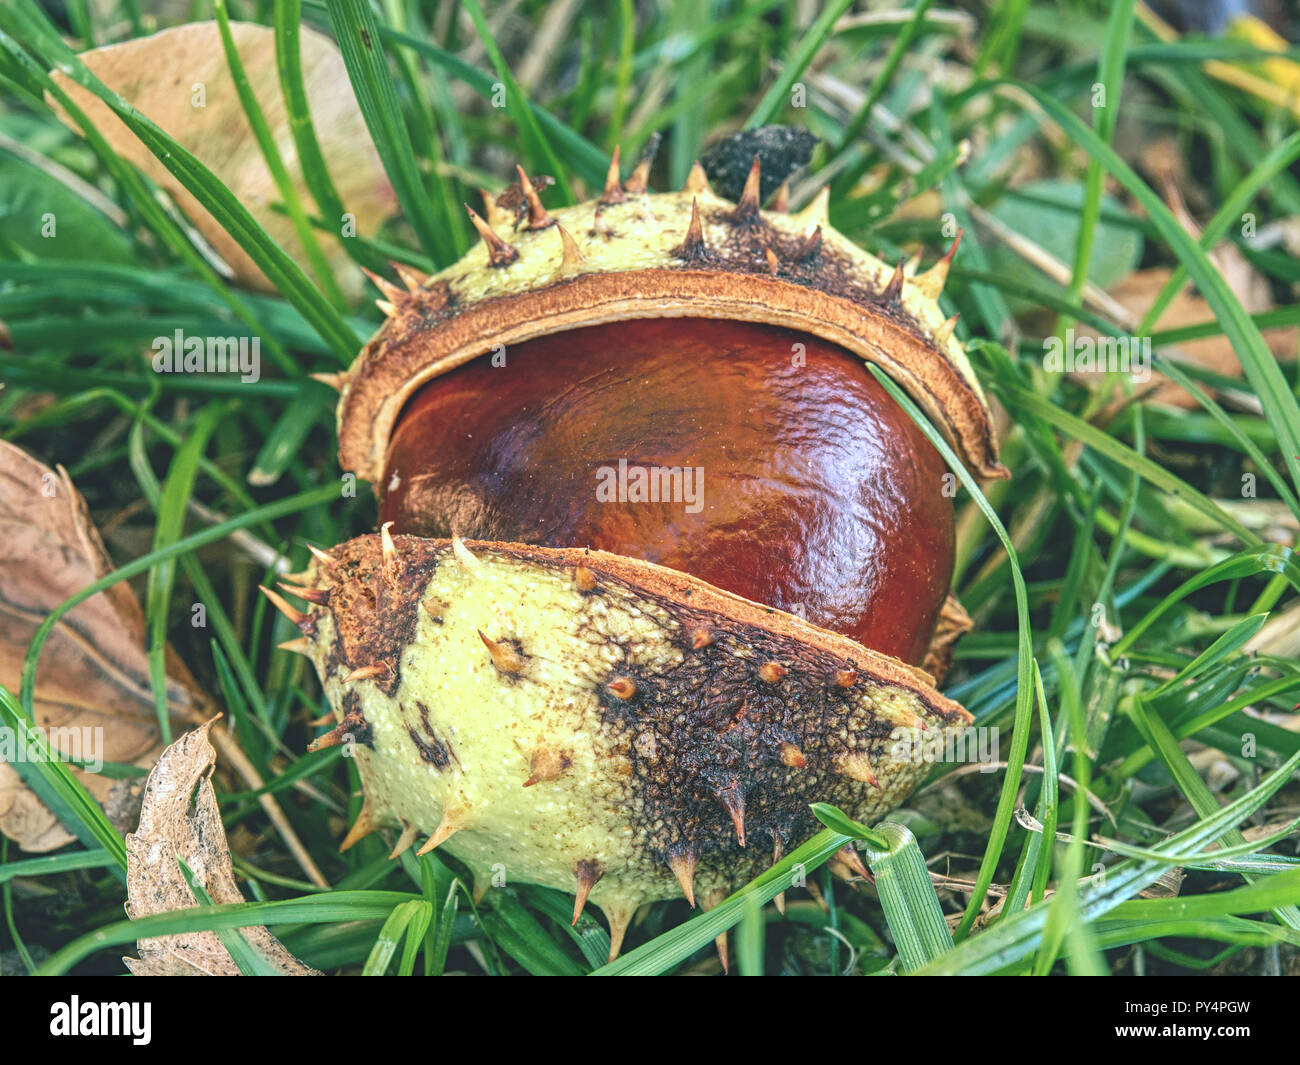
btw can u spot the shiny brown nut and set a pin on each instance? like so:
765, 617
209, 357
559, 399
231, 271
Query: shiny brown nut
780, 469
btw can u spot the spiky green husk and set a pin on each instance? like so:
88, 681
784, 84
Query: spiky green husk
594, 723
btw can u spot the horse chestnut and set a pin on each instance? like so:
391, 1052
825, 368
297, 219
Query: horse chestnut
790, 476
673, 680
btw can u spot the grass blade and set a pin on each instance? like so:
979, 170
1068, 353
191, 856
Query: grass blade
274, 163
357, 33
218, 200
1260, 367
908, 899
46, 774
536, 148
1025, 665
778, 93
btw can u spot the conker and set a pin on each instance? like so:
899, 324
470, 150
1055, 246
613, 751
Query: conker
541, 663
799, 483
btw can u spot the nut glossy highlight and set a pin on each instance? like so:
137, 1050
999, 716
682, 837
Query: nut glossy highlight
802, 484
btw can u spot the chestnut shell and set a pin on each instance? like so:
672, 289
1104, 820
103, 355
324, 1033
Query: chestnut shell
591, 722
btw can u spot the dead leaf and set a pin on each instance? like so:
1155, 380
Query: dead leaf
92, 680
1279, 636
168, 75
25, 819
1138, 291
179, 819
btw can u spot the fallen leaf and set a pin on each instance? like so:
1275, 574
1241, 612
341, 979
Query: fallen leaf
179, 819
25, 819
180, 79
92, 678
1138, 291
92, 697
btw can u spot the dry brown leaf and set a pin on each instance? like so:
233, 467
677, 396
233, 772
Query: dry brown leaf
24, 818
1138, 291
179, 819
92, 680
162, 76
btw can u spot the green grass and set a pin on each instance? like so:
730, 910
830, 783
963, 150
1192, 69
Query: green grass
1118, 578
